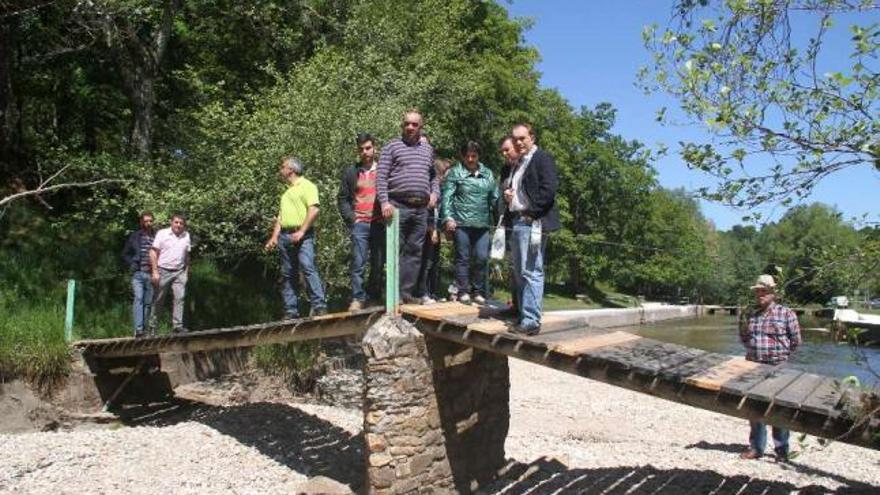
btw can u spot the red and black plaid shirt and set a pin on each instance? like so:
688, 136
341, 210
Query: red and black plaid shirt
771, 335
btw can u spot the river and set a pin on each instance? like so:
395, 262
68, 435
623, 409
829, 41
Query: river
818, 354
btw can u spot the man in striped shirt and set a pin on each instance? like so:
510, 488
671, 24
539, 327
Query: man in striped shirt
771, 334
359, 208
406, 181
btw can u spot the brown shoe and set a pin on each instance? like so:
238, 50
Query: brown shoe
750, 455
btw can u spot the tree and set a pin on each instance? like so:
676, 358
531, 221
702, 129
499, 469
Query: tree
748, 72
812, 244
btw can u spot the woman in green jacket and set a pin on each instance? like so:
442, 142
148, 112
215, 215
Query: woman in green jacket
468, 202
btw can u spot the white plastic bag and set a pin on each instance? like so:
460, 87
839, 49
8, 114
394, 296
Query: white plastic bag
498, 242
535, 237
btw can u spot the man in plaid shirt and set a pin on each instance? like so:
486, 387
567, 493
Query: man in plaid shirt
771, 335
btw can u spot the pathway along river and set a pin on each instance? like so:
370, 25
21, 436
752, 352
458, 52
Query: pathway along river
818, 354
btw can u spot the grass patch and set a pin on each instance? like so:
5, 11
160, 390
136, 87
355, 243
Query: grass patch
32, 343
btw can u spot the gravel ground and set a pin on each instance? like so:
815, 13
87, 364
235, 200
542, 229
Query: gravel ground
567, 435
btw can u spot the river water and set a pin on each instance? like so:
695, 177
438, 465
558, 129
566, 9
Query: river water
818, 354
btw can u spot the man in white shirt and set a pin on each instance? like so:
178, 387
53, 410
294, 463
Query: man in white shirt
169, 259
531, 213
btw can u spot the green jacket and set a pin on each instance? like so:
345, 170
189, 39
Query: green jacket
467, 198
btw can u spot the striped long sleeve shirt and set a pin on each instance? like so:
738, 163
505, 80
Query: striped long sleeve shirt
770, 336
406, 170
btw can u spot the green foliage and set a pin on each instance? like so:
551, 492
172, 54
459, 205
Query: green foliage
756, 76
298, 362
32, 341
809, 242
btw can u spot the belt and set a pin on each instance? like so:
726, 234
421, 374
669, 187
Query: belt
288, 230
413, 201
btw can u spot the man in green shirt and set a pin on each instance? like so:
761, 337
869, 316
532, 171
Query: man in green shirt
294, 236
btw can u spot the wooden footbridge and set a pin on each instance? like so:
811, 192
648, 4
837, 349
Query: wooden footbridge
778, 395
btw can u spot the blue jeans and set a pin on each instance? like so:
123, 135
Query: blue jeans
368, 243
528, 273
296, 257
142, 288
758, 438
471, 248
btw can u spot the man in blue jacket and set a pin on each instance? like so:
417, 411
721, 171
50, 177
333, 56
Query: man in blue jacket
531, 213
136, 256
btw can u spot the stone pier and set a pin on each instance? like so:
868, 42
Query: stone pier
435, 414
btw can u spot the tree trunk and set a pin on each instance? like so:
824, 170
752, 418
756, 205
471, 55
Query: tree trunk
8, 108
142, 94
140, 62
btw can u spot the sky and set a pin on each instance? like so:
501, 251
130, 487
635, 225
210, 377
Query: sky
590, 52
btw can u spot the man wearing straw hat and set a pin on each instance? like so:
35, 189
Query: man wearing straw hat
770, 335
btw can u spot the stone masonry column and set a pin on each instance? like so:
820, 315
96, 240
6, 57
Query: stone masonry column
436, 414
405, 447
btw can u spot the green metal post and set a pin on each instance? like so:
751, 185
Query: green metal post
68, 319
392, 266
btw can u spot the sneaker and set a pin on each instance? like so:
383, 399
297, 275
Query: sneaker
139, 335
479, 299
356, 305
291, 316
179, 330
319, 311
425, 300
464, 298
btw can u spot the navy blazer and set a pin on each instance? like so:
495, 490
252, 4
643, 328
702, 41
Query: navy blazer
539, 184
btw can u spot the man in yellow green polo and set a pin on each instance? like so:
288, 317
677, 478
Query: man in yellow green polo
294, 235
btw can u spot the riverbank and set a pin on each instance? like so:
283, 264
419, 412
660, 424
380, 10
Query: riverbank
564, 431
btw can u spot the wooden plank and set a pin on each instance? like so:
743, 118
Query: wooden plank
797, 391
440, 310
825, 398
700, 364
491, 326
650, 357
582, 344
740, 385
714, 378
773, 383
568, 334
646, 356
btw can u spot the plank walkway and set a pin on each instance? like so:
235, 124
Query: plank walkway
777, 395
318, 327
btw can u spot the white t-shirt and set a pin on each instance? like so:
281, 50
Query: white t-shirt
173, 249
520, 201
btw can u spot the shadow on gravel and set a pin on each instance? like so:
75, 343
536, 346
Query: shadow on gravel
551, 476
792, 464
304, 443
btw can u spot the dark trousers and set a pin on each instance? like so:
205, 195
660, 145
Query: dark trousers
413, 226
429, 274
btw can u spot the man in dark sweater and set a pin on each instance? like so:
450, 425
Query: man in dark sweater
531, 214
136, 256
406, 181
359, 207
